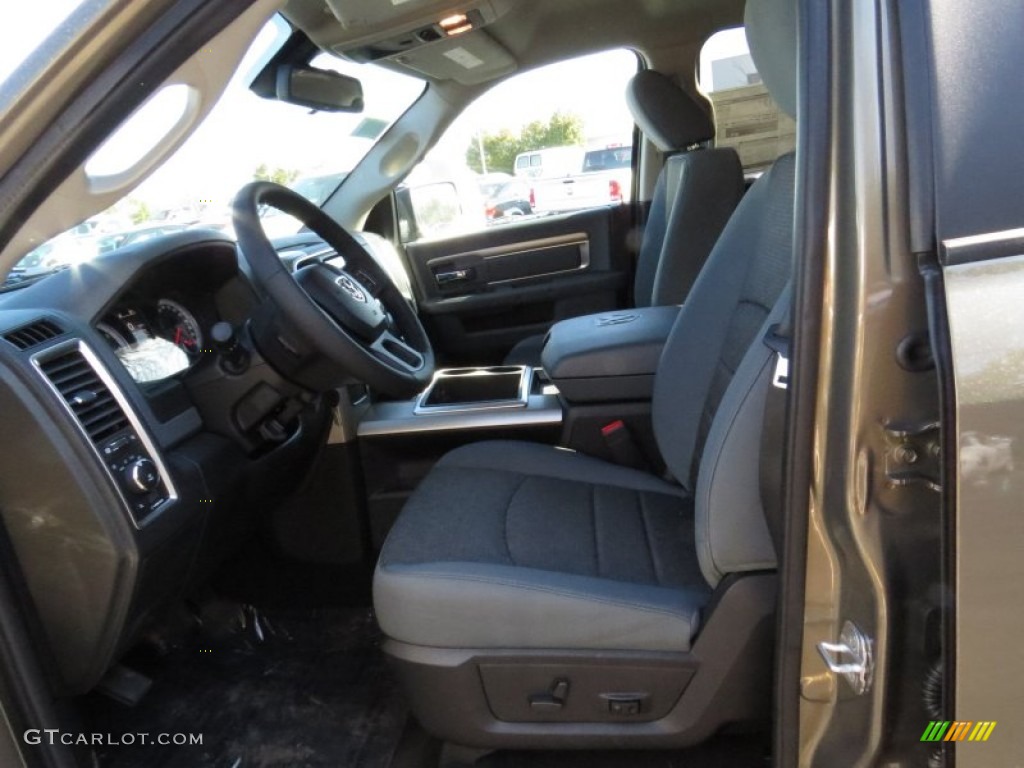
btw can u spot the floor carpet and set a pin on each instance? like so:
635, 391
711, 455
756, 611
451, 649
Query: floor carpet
299, 688
725, 751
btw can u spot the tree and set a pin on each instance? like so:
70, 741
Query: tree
139, 211
500, 149
277, 175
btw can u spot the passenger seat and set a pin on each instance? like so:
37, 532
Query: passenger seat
695, 194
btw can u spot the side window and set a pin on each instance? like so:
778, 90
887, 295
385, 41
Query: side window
509, 155
746, 118
437, 211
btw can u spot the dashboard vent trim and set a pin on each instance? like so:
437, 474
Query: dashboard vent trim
89, 398
101, 411
33, 334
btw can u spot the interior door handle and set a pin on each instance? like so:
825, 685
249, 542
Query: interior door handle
455, 276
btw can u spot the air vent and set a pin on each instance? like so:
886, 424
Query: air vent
34, 334
86, 394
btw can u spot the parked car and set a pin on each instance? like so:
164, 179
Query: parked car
139, 234
492, 182
510, 200
58, 253
605, 178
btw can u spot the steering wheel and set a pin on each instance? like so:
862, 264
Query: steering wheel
354, 316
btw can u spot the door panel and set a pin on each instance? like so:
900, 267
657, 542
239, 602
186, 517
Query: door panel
481, 293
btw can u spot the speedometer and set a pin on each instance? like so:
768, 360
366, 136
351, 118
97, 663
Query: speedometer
179, 326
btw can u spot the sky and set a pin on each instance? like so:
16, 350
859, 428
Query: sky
244, 131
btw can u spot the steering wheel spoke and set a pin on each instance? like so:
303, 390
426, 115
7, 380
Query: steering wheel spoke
350, 312
397, 353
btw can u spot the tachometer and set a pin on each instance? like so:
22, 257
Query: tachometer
179, 326
112, 336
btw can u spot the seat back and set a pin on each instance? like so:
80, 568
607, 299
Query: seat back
711, 381
696, 192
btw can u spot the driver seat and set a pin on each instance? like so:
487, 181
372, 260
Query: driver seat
535, 597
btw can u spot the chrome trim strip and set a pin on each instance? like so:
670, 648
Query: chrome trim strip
518, 248
399, 418
108, 380
521, 400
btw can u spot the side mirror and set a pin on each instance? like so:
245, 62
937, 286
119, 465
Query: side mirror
318, 89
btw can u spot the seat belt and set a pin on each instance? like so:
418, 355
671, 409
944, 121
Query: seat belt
773, 432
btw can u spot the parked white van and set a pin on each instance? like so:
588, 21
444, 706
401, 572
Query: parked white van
549, 163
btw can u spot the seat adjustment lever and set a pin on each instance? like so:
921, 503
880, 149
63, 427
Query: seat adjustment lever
553, 700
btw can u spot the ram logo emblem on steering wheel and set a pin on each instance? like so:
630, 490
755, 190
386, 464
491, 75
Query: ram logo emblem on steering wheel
349, 286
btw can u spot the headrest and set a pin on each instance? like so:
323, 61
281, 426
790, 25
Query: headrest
669, 117
772, 35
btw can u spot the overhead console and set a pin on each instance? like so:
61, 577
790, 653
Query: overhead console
443, 40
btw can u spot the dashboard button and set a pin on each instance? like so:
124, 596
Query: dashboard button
142, 476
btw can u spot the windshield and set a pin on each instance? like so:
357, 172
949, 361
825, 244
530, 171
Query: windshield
245, 137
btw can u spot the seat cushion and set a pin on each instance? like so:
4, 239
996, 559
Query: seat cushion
515, 545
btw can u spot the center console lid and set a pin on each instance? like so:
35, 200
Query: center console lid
609, 356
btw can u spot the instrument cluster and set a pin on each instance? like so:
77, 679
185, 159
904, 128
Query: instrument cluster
154, 340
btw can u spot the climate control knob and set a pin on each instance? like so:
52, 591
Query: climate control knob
142, 476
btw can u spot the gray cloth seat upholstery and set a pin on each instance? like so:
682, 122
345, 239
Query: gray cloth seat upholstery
554, 566
697, 190
570, 551
513, 545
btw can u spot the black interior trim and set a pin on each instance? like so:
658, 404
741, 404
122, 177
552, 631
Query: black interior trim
810, 243
113, 95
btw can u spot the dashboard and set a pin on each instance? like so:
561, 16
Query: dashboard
142, 459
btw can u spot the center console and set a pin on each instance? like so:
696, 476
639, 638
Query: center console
598, 372
604, 367
483, 398
610, 356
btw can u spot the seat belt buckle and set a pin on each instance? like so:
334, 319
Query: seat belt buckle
622, 446
779, 344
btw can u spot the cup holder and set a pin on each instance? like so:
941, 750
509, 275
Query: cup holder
453, 389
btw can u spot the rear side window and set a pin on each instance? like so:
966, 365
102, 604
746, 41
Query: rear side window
604, 159
746, 117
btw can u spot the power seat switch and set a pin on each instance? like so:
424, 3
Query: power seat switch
625, 704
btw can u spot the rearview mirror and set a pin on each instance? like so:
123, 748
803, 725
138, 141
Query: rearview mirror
319, 89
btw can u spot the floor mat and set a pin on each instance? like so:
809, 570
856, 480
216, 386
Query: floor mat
284, 688
723, 751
